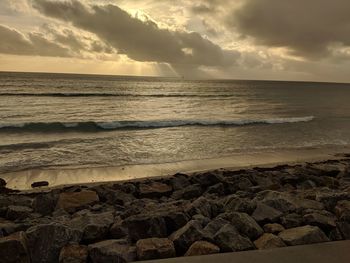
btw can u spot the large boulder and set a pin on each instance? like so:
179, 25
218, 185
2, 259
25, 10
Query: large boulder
320, 220
269, 241
155, 248
73, 201
246, 225
235, 204
45, 203
111, 251
94, 227
229, 240
73, 253
13, 249
303, 235
46, 241
200, 248
202, 206
280, 201
214, 226
18, 212
265, 214
154, 190
186, 236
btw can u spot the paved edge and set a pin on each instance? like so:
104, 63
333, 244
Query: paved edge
331, 252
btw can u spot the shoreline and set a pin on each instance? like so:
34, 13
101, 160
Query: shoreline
217, 211
60, 177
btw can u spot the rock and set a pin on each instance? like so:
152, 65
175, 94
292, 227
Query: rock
113, 196
13, 249
200, 206
18, 212
342, 210
214, 226
111, 251
2, 183
246, 225
155, 248
76, 200
46, 241
179, 182
330, 199
229, 240
243, 205
269, 241
244, 184
265, 214
303, 235
322, 221
186, 236
73, 253
7, 227
207, 179
200, 248
39, 184
154, 190
45, 203
292, 220
145, 226
277, 200
273, 228
218, 189
95, 227
201, 219
118, 230
344, 228
190, 192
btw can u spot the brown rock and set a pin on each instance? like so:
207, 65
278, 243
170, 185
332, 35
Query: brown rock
72, 201
268, 241
342, 210
273, 228
322, 221
13, 249
202, 248
303, 235
154, 190
155, 248
73, 253
18, 212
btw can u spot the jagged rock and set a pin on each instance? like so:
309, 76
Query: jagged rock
201, 206
201, 219
154, 190
278, 200
7, 227
46, 241
322, 221
218, 189
191, 191
246, 225
74, 253
303, 235
214, 226
207, 179
13, 249
111, 251
94, 227
18, 212
45, 203
155, 248
269, 241
16, 200
266, 214
229, 240
145, 226
39, 184
186, 236
292, 220
76, 200
330, 199
344, 228
342, 210
113, 196
236, 204
199, 248
273, 228
118, 230
179, 182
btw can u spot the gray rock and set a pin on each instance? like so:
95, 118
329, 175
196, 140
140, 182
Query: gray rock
186, 236
269, 241
190, 192
200, 248
292, 220
303, 235
322, 221
155, 248
154, 190
111, 251
331, 198
273, 228
18, 212
246, 225
229, 240
113, 196
265, 214
278, 200
74, 253
218, 189
200, 206
13, 249
45, 203
46, 241
95, 227
7, 227
236, 204
214, 226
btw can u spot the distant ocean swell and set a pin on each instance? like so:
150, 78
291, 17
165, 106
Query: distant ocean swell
115, 125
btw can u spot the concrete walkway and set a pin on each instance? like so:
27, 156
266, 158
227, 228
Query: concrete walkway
332, 252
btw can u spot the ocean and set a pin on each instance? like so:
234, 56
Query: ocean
51, 121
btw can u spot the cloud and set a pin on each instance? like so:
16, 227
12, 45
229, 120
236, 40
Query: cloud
140, 40
15, 43
306, 28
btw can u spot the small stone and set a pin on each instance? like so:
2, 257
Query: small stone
18, 212
154, 190
200, 248
39, 184
13, 249
155, 248
111, 251
73, 253
273, 228
269, 241
72, 201
303, 235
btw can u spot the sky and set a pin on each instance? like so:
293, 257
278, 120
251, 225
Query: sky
240, 39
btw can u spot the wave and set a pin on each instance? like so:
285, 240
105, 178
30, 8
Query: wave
116, 125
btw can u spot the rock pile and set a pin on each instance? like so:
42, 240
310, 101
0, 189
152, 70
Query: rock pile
181, 215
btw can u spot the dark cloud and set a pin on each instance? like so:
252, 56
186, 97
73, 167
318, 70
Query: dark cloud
308, 28
139, 40
13, 42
